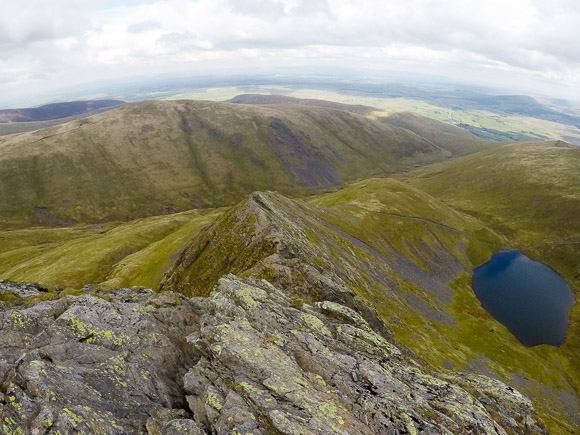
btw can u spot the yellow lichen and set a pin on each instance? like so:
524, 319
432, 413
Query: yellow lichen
214, 402
76, 418
316, 324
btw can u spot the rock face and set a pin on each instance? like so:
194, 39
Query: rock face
269, 366
93, 366
16, 290
245, 359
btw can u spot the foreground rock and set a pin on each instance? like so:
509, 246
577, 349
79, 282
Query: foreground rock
88, 365
246, 359
18, 290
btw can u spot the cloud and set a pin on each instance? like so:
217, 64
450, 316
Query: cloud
145, 26
534, 38
33, 20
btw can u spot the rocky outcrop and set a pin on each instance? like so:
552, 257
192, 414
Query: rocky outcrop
245, 359
88, 365
298, 247
269, 366
19, 290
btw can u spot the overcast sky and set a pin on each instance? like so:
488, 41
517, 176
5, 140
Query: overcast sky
521, 43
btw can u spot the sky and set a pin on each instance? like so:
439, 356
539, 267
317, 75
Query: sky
520, 44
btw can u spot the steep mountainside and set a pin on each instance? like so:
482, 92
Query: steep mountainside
408, 260
156, 157
527, 191
450, 138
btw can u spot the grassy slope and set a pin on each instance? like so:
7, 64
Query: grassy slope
149, 157
451, 138
476, 336
527, 191
112, 255
23, 127
448, 137
530, 194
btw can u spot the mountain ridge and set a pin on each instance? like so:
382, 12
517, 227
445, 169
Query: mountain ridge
411, 275
158, 157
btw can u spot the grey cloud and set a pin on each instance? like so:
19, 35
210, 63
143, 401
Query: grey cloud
26, 23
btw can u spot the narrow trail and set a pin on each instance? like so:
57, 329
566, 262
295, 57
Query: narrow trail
441, 225
416, 218
552, 244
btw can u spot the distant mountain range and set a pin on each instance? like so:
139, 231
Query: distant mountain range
56, 110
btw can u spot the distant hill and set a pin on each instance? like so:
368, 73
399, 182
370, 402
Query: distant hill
524, 105
56, 111
451, 138
283, 99
158, 157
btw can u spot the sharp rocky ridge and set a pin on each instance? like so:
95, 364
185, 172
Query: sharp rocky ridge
256, 330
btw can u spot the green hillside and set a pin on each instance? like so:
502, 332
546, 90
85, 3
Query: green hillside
528, 192
115, 254
158, 157
452, 138
446, 136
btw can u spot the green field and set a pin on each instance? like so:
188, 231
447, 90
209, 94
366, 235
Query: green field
481, 119
112, 255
